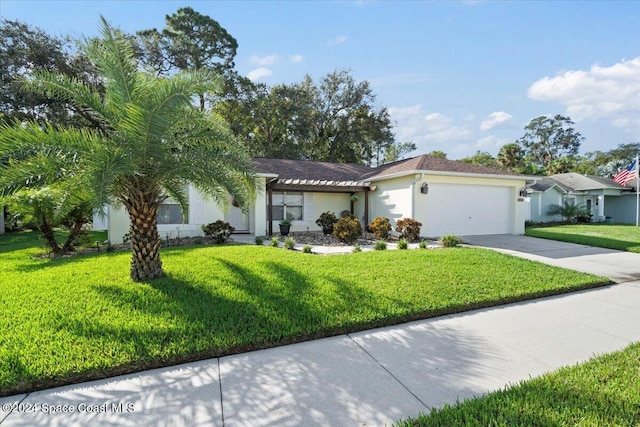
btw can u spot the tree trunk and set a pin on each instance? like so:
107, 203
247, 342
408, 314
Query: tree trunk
47, 232
73, 234
145, 240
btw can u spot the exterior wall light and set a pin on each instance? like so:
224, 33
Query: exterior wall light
424, 188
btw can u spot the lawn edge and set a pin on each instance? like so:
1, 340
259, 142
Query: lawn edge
99, 374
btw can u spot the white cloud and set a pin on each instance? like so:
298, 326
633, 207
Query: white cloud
429, 131
491, 143
264, 60
337, 40
259, 73
495, 119
601, 92
296, 58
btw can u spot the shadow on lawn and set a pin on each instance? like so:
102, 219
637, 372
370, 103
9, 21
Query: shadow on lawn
184, 321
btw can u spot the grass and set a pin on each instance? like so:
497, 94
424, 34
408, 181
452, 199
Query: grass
75, 319
620, 237
603, 391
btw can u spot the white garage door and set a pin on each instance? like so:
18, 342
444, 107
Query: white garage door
467, 209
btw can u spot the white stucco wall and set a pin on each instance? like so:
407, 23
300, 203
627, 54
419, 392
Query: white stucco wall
201, 211
259, 210
392, 199
449, 209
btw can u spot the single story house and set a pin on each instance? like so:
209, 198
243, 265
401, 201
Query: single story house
604, 199
446, 196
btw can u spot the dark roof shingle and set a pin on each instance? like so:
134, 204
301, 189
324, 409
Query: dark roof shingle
309, 170
437, 164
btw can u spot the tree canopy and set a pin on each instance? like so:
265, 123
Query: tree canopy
548, 138
24, 51
333, 120
151, 144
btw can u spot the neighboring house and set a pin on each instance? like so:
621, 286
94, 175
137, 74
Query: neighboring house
602, 198
447, 196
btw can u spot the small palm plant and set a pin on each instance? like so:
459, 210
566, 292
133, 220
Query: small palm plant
568, 211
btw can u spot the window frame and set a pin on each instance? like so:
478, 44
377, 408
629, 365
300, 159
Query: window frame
284, 204
169, 204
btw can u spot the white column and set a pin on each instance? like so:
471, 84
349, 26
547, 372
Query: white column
601, 207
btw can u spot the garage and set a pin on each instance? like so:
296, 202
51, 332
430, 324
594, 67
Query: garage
468, 209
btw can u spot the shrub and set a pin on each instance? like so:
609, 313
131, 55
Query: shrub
275, 242
347, 229
219, 230
259, 240
357, 248
403, 244
380, 227
423, 244
409, 229
289, 243
306, 249
326, 221
381, 245
450, 240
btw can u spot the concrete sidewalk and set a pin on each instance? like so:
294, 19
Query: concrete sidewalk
373, 377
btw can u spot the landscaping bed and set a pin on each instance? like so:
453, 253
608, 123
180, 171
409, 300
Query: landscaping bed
74, 319
603, 391
318, 239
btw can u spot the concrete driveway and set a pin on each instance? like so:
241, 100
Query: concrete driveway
617, 265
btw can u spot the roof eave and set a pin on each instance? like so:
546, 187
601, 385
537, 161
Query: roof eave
448, 173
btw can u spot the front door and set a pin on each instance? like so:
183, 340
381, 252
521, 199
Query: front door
237, 219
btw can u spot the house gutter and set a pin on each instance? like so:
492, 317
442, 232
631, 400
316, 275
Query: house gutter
526, 178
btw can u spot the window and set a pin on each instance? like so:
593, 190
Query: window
287, 205
169, 213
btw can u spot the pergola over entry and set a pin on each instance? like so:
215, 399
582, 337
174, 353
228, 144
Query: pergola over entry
316, 186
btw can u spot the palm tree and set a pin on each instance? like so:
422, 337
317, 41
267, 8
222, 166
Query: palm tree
567, 210
511, 156
150, 142
610, 169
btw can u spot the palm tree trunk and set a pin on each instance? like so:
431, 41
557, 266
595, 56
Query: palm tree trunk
47, 232
145, 240
73, 234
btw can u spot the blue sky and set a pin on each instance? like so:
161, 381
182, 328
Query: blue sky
456, 76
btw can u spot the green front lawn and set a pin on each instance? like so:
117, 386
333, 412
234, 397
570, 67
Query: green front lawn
602, 392
620, 237
73, 319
